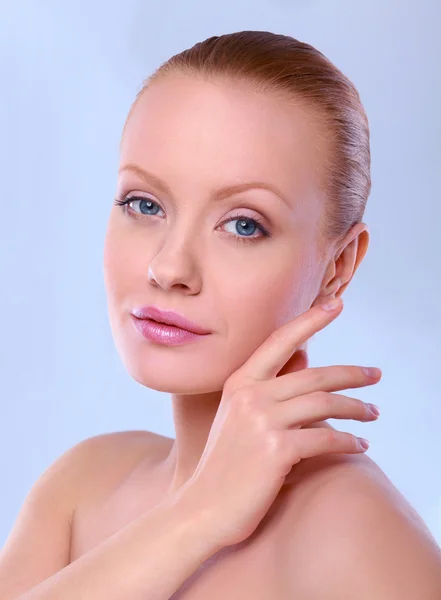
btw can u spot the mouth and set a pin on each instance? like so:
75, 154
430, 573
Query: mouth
171, 318
165, 334
167, 324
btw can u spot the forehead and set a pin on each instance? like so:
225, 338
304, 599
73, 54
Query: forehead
221, 132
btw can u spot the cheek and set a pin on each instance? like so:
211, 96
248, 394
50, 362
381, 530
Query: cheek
119, 263
111, 265
260, 302
254, 304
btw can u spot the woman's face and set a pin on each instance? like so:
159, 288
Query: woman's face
181, 254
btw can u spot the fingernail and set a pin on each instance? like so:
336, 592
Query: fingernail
372, 372
363, 443
331, 304
374, 408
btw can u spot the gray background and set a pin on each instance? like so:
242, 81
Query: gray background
69, 71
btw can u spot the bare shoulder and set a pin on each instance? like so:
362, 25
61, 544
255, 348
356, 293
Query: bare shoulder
108, 458
129, 443
347, 525
344, 484
48, 511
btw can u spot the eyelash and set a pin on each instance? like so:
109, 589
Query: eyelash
123, 201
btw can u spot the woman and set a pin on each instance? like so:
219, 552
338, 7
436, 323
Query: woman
244, 175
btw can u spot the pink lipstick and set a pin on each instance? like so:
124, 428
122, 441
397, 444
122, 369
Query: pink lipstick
166, 327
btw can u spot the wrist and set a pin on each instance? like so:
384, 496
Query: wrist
195, 522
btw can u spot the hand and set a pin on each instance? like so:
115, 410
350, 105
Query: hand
259, 431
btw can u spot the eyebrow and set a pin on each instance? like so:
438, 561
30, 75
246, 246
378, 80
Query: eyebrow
219, 194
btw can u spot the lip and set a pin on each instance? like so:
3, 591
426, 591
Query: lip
168, 317
165, 335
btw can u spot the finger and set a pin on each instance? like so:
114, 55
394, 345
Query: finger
277, 349
315, 379
306, 443
297, 362
319, 406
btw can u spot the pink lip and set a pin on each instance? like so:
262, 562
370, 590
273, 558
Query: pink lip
167, 335
169, 318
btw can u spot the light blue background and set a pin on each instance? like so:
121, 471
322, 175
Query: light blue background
69, 71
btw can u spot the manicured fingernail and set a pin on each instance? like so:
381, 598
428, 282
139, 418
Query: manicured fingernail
374, 408
372, 372
363, 443
331, 304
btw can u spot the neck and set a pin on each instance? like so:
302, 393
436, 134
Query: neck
193, 416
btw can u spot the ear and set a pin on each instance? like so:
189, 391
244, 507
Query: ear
344, 263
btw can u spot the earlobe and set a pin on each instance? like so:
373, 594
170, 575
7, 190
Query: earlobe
329, 291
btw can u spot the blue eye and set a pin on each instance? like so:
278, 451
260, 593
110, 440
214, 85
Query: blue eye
147, 203
244, 223
243, 226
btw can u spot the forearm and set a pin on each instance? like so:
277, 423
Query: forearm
149, 559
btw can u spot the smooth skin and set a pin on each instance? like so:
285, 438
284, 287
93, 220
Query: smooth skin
258, 428
187, 252
177, 244
241, 426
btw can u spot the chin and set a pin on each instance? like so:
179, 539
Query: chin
191, 382
184, 370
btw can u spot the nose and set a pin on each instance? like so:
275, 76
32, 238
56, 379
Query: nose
175, 267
